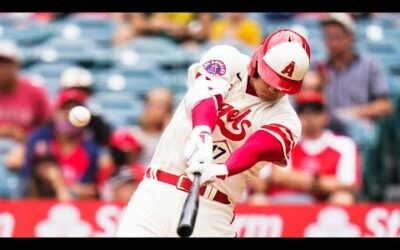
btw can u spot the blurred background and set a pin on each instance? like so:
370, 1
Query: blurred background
130, 71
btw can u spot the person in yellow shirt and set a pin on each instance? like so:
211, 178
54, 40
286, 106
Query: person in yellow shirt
182, 18
236, 26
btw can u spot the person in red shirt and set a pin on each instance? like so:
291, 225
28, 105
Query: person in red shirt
23, 107
122, 185
75, 152
81, 79
124, 167
323, 166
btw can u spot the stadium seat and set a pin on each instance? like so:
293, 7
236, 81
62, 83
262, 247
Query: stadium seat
7, 21
176, 80
242, 47
49, 69
127, 58
47, 74
97, 29
24, 32
137, 82
381, 47
152, 45
119, 109
394, 85
58, 49
389, 62
162, 51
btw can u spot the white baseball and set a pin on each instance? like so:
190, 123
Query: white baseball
79, 116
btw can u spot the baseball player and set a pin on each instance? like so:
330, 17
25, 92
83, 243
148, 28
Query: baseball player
235, 114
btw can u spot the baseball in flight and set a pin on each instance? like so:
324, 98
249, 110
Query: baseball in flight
79, 116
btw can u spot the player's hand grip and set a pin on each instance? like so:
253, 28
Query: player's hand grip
190, 208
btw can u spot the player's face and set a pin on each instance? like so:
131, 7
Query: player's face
265, 91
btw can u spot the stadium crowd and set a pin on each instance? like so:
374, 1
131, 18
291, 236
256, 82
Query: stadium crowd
130, 70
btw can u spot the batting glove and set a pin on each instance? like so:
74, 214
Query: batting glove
209, 172
199, 147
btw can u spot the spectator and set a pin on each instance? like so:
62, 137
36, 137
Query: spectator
125, 152
157, 112
312, 81
23, 107
81, 79
76, 154
122, 185
46, 180
236, 26
323, 166
355, 87
181, 27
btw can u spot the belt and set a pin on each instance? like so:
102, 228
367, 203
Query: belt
183, 183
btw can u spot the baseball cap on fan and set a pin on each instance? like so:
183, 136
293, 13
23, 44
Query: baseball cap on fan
9, 50
342, 19
70, 95
311, 101
125, 141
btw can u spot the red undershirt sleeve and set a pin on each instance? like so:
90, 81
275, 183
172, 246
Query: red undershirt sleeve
260, 146
205, 112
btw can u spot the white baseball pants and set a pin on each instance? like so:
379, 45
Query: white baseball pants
155, 209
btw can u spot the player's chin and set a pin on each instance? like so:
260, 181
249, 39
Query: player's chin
266, 97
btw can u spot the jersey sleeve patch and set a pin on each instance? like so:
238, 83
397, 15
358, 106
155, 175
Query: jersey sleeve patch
215, 67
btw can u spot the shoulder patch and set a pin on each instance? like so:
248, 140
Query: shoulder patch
215, 67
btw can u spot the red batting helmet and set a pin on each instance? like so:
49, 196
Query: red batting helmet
282, 60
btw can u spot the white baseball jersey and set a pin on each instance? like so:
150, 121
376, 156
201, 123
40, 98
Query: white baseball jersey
224, 71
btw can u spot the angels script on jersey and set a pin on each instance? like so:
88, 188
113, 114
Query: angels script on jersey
237, 132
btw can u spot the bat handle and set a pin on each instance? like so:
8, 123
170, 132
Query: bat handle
189, 213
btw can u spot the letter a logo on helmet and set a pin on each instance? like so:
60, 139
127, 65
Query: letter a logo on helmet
288, 70
282, 60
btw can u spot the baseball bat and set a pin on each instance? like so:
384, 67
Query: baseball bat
190, 208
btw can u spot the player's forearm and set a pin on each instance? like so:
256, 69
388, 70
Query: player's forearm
205, 113
261, 146
378, 108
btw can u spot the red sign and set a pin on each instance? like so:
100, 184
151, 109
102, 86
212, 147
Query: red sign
30, 218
